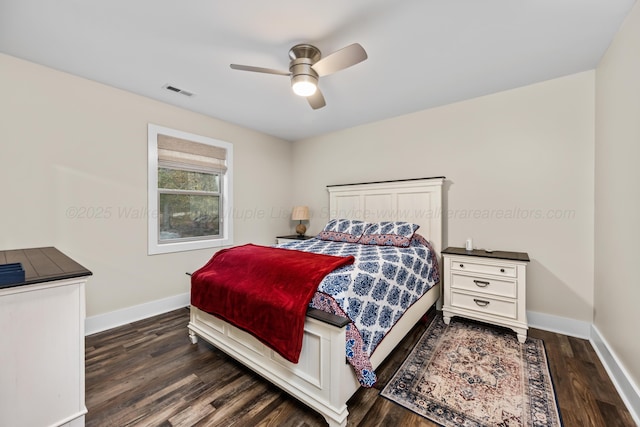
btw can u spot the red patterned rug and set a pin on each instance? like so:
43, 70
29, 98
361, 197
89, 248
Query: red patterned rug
469, 374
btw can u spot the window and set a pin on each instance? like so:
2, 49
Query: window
189, 192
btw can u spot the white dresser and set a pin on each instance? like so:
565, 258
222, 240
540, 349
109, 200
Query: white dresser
42, 341
486, 286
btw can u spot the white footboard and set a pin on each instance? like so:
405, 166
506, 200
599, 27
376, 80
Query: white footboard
322, 379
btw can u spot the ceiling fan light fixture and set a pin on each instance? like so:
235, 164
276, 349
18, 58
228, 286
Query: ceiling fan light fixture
307, 65
304, 85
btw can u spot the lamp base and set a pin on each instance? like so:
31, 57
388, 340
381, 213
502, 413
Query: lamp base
301, 229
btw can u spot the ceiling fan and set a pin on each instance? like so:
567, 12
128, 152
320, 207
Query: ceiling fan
306, 67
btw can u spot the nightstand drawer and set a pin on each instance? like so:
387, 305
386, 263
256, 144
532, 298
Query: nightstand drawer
505, 288
484, 304
484, 268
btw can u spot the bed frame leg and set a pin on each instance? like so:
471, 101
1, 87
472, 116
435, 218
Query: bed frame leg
333, 423
333, 418
193, 337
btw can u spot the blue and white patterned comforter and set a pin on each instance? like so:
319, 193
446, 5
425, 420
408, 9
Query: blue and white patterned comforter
373, 292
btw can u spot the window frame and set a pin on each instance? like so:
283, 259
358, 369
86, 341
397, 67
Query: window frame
226, 196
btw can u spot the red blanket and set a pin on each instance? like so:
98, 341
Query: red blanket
263, 290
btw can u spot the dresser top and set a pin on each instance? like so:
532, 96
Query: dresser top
42, 265
514, 256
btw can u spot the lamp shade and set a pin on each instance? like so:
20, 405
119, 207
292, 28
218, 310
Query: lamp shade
300, 213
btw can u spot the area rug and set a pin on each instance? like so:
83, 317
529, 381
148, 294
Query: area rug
471, 374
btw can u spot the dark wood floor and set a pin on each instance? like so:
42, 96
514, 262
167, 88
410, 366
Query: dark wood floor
148, 374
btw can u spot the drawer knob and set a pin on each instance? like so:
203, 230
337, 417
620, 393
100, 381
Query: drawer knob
461, 265
481, 302
481, 283
502, 270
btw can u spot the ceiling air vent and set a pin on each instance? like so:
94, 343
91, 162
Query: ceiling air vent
177, 90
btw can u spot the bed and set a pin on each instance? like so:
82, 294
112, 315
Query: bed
322, 378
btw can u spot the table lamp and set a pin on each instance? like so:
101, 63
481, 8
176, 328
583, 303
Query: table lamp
300, 213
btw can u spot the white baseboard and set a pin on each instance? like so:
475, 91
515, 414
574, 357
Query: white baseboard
629, 392
560, 325
112, 319
627, 389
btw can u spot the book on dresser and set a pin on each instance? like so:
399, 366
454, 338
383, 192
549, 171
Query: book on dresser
488, 286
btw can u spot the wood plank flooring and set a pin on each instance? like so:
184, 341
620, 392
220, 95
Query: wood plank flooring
148, 374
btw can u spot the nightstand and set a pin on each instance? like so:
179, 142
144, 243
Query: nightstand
486, 286
293, 238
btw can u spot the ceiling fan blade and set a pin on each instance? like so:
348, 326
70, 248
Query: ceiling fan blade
316, 100
260, 69
340, 59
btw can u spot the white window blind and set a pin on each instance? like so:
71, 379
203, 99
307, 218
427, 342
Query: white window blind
176, 152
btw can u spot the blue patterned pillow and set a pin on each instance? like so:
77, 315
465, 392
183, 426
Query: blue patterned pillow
343, 230
389, 233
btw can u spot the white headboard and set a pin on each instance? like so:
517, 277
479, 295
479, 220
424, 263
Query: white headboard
415, 200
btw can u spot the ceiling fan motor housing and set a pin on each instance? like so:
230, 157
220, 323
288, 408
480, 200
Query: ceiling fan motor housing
305, 51
303, 56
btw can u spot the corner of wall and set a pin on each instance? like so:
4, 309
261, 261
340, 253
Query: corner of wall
629, 392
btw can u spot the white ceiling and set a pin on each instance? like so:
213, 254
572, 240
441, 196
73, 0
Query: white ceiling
422, 53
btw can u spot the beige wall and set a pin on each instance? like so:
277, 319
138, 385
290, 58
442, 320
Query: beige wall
617, 195
73, 167
508, 158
